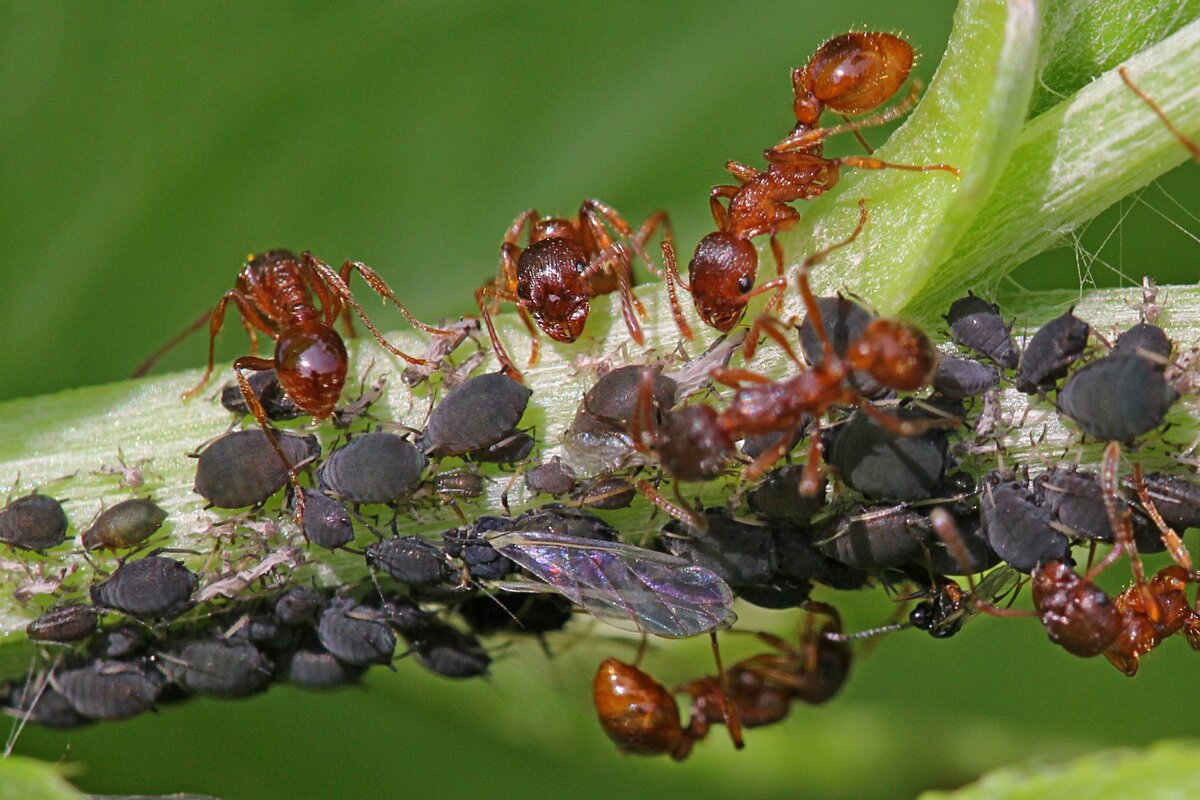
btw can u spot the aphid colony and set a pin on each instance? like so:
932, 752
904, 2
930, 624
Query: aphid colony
886, 489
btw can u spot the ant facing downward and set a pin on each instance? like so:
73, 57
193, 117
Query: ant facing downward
851, 74
564, 264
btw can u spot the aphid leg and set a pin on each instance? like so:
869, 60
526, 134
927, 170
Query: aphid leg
678, 510
250, 316
1191, 146
254, 363
671, 268
1170, 538
806, 292
1120, 518
947, 530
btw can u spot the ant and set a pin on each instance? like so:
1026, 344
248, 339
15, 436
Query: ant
1191, 146
564, 264
273, 295
896, 354
851, 74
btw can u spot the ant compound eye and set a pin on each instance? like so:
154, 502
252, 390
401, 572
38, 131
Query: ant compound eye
745, 284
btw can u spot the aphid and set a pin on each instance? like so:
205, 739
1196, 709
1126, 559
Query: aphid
373, 468
132, 475
1148, 341
512, 449
470, 545
1176, 499
297, 605
1018, 528
33, 522
778, 497
218, 667
614, 398
122, 641
555, 477
876, 538
312, 667
326, 521
66, 623
851, 74
126, 524
108, 689
275, 402
447, 651
844, 321
262, 628
241, 469
475, 415
741, 554
605, 493
150, 588
1050, 352
37, 700
458, 484
356, 634
625, 586
439, 350
410, 560
871, 460
1188, 143
565, 521
564, 264
977, 325
960, 378
1118, 397
516, 613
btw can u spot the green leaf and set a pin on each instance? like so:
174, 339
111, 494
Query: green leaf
29, 779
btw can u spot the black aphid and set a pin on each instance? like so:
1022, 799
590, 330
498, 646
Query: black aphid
885, 467
108, 689
1050, 353
475, 415
411, 560
297, 605
264, 629
241, 469
265, 386
1118, 397
555, 477
960, 378
613, 399
1076, 499
1177, 500
126, 524
65, 623
606, 493
1018, 528
40, 702
218, 667
516, 612
356, 634
121, 641
742, 554
373, 468
943, 559
449, 652
312, 667
565, 521
470, 545
33, 522
844, 321
512, 449
778, 497
876, 538
150, 588
977, 325
326, 521
1148, 341
755, 446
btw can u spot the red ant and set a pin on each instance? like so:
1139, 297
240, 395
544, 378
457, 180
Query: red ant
564, 264
852, 73
1191, 146
896, 354
274, 295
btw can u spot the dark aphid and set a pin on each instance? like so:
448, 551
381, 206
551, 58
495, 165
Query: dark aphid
944, 560
1018, 529
1118, 397
447, 651
458, 484
886, 467
150, 588
516, 613
877, 537
1051, 352
242, 469
555, 477
797, 559
264, 629
1148, 341
218, 667
512, 449
960, 378
779, 499
265, 385
356, 634
312, 667
755, 446
1076, 499
844, 321
108, 689
410, 560
297, 605
126, 524
565, 521
122, 641
614, 398
606, 493
475, 415
470, 545
373, 468
33, 522
741, 554
66, 623
327, 522
1177, 500
977, 325
40, 702
779, 594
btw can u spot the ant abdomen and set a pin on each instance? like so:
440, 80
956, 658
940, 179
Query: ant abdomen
852, 73
311, 364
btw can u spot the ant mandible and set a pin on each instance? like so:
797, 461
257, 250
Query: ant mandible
564, 264
851, 74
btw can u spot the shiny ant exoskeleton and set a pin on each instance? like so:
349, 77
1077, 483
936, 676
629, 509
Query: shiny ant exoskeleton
564, 264
852, 74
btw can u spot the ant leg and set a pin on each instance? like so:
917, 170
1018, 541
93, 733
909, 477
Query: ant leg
858, 135
175, 341
806, 138
506, 364
535, 337
735, 378
1170, 538
870, 162
729, 712
677, 510
216, 322
1121, 521
259, 364
631, 306
672, 275
765, 459
947, 530
383, 290
806, 293
776, 302
775, 328
643, 425
743, 173
810, 476
1191, 146
898, 426
646, 230
719, 213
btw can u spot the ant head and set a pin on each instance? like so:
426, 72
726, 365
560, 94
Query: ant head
260, 262
311, 364
722, 273
550, 285
852, 73
896, 354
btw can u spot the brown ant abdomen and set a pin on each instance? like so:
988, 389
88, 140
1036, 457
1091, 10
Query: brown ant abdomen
311, 365
1076, 613
851, 73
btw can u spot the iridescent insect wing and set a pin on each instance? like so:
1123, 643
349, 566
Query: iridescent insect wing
994, 587
626, 586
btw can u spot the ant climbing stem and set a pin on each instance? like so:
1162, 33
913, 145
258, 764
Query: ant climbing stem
1191, 146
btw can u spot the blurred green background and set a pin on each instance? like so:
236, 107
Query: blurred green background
145, 149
